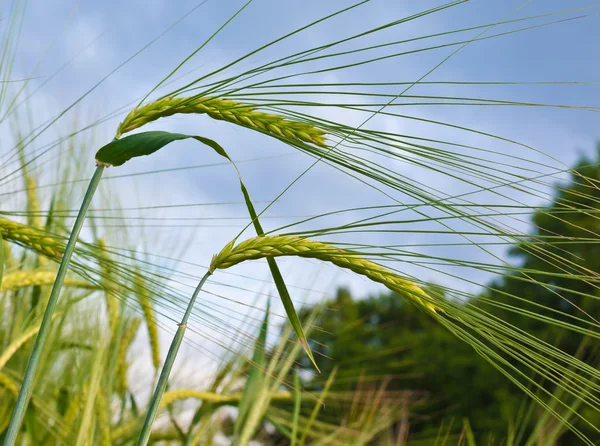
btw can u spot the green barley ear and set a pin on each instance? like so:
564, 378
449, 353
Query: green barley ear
33, 204
244, 115
26, 278
146, 303
33, 238
112, 303
218, 259
121, 364
282, 245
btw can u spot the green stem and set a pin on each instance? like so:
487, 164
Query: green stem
25, 391
161, 385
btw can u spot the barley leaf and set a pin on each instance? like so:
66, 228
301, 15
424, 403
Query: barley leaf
119, 151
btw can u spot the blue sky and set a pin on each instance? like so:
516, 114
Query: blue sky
90, 39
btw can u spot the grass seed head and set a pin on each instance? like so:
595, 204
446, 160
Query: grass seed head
36, 239
281, 245
244, 115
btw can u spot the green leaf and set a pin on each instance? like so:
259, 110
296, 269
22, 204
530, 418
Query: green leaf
284, 295
119, 151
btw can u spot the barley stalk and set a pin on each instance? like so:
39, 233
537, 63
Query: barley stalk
244, 115
21, 279
36, 239
163, 378
281, 245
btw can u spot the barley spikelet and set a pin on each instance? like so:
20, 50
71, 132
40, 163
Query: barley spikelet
121, 366
21, 279
41, 241
244, 115
112, 303
280, 245
144, 298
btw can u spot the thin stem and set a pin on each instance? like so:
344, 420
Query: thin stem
161, 385
25, 391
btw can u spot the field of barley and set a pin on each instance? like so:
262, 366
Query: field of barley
259, 222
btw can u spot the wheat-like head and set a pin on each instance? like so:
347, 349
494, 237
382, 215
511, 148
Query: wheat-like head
143, 295
33, 203
125, 343
20, 279
244, 115
281, 245
33, 238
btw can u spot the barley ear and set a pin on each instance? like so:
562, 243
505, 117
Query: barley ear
146, 303
280, 245
112, 303
121, 365
244, 115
